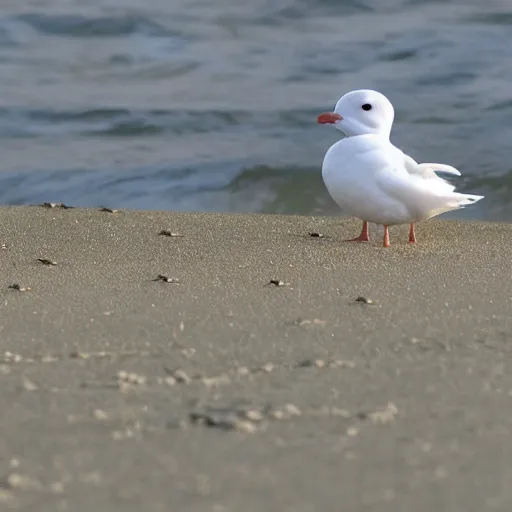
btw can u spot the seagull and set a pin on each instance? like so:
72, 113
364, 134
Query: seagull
371, 179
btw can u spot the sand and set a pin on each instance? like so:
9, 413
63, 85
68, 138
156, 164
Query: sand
219, 391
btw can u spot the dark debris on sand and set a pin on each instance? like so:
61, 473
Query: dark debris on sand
277, 282
56, 205
364, 300
46, 261
19, 288
172, 234
166, 279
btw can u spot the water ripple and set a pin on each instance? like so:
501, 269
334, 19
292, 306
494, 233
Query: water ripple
72, 25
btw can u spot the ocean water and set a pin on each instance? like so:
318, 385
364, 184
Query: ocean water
200, 105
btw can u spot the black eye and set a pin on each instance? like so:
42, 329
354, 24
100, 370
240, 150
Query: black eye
366, 106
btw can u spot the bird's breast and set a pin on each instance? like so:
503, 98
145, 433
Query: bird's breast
351, 175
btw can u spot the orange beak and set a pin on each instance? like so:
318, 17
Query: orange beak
329, 118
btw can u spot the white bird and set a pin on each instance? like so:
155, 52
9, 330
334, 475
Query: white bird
373, 180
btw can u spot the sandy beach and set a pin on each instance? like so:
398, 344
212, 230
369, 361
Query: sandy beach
264, 370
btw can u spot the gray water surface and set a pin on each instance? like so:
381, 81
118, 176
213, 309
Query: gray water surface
211, 105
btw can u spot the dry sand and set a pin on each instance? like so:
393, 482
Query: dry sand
224, 393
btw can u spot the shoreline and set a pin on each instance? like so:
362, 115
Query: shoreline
216, 390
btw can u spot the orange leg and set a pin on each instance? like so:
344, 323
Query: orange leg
363, 237
412, 235
386, 236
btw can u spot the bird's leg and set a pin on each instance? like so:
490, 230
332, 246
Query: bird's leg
386, 236
363, 237
412, 234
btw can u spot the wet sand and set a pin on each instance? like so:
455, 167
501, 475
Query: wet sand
219, 391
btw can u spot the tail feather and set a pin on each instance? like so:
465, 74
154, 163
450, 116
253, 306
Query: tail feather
466, 199
455, 201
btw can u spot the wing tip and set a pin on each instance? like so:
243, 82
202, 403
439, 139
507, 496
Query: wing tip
443, 168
